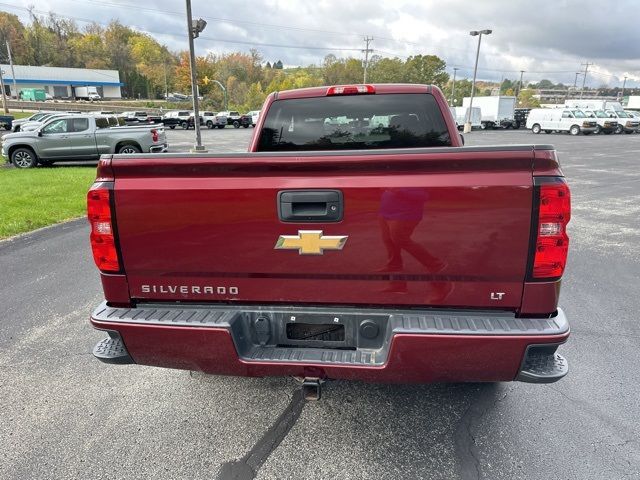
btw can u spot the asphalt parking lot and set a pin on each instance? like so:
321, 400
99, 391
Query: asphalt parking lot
222, 141
66, 415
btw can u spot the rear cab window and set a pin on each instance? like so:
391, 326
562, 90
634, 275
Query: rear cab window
79, 124
102, 122
406, 120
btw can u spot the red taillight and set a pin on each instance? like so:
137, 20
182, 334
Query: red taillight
552, 242
103, 242
350, 89
154, 135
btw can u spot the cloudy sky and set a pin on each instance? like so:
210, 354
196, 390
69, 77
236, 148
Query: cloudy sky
547, 39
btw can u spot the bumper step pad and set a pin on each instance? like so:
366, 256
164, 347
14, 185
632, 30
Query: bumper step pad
112, 350
543, 367
260, 333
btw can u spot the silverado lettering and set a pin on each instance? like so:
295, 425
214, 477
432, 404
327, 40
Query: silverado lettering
186, 289
451, 271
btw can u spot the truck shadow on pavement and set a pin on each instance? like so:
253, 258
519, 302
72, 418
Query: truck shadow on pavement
418, 430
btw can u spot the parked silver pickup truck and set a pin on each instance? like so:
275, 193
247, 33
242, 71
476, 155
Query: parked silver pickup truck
80, 137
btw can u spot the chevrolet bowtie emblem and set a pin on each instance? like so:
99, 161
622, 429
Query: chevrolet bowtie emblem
311, 242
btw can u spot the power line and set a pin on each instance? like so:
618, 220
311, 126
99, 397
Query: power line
211, 39
231, 20
275, 45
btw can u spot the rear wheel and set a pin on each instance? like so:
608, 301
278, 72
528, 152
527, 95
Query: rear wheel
598, 130
536, 128
184, 125
209, 124
574, 130
619, 129
236, 124
24, 158
129, 149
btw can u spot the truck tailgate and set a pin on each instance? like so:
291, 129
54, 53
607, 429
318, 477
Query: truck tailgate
423, 227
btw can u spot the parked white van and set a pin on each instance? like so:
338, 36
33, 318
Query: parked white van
560, 120
626, 123
606, 124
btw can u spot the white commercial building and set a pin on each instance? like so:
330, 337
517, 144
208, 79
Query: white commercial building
61, 82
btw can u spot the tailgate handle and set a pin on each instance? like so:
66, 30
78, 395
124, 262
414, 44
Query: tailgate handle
300, 206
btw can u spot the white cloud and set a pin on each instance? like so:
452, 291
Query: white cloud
548, 39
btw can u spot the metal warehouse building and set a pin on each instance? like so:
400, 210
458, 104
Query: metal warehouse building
61, 82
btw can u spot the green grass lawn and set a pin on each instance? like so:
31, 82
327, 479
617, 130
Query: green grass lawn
37, 197
17, 115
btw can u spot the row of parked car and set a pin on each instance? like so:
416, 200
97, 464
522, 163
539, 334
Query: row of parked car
185, 119
46, 137
584, 116
178, 118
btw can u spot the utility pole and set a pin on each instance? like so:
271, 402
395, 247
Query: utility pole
194, 29
4, 98
366, 51
453, 87
166, 85
624, 83
584, 79
13, 72
520, 84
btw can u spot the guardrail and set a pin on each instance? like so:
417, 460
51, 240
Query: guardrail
80, 106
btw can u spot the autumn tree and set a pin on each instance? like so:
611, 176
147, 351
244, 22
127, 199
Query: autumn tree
527, 100
386, 70
428, 69
462, 89
89, 51
12, 30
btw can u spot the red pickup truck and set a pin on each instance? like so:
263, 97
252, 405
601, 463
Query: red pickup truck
358, 239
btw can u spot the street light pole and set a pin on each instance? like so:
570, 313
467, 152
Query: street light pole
453, 87
474, 33
224, 92
194, 29
520, 84
624, 83
584, 78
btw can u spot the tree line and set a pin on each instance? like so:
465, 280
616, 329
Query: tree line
148, 69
